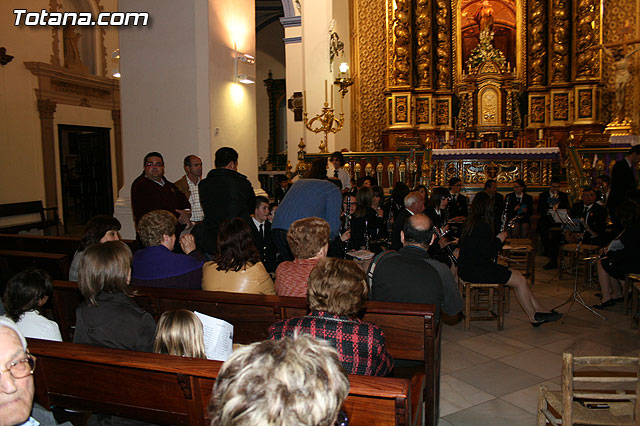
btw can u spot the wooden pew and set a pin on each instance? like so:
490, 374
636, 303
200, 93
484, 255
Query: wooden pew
166, 389
29, 208
67, 244
412, 331
56, 264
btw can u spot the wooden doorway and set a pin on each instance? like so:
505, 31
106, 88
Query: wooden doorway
85, 174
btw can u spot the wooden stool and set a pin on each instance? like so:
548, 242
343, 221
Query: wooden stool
633, 280
471, 291
522, 256
586, 250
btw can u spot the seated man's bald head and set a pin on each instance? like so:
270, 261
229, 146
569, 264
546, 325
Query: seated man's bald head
418, 230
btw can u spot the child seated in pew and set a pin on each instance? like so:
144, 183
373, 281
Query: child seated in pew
27, 292
180, 333
295, 381
108, 316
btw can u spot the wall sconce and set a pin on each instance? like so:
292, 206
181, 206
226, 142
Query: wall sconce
4, 58
344, 81
243, 66
115, 57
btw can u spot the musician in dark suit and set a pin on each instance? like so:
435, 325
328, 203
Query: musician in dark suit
549, 232
437, 212
261, 232
283, 187
623, 180
593, 218
491, 188
458, 204
520, 208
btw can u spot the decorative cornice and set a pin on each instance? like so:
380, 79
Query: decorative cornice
291, 21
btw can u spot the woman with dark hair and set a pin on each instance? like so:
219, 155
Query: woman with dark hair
377, 202
99, 229
621, 255
365, 224
108, 316
26, 292
236, 267
437, 212
479, 246
520, 207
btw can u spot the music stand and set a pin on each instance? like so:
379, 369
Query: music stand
575, 294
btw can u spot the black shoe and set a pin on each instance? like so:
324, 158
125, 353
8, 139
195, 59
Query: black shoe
618, 299
551, 265
606, 304
597, 294
547, 316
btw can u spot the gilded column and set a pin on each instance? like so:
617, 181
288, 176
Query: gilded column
47, 109
423, 41
560, 48
443, 45
117, 137
587, 32
537, 44
399, 67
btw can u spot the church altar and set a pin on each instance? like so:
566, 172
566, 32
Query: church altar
434, 167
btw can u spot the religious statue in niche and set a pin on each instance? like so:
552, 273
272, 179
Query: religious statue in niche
484, 16
72, 60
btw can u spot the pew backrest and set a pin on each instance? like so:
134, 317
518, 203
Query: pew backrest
29, 208
165, 389
411, 330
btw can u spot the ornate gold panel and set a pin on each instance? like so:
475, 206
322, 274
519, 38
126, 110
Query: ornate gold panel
537, 109
477, 172
399, 42
586, 109
422, 111
402, 109
443, 112
489, 111
560, 106
423, 42
443, 45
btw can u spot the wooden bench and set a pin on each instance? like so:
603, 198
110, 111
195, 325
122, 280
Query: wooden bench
165, 389
412, 331
66, 244
28, 208
56, 264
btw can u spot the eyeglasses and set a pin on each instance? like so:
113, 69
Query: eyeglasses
23, 368
151, 164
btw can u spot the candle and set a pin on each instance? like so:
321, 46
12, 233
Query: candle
304, 97
446, 135
540, 133
325, 91
332, 96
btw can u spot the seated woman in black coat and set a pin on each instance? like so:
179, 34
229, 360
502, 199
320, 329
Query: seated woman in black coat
621, 255
437, 212
108, 316
365, 223
519, 208
479, 247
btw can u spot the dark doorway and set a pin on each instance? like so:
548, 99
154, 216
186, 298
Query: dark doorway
85, 167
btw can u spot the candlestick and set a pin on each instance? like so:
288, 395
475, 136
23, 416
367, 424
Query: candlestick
332, 96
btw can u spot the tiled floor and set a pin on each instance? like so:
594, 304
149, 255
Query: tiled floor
492, 377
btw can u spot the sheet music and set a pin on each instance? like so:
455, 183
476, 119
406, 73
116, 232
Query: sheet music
218, 337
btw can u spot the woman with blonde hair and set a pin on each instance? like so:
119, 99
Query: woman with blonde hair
180, 333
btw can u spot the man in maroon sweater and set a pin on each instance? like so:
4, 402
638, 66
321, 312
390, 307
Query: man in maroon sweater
151, 191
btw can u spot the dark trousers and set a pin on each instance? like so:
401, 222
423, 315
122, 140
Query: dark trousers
551, 237
280, 241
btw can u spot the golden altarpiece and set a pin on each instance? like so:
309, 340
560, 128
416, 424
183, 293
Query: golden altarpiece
487, 88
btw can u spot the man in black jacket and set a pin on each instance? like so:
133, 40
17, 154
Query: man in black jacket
593, 219
459, 205
623, 180
224, 194
550, 233
261, 231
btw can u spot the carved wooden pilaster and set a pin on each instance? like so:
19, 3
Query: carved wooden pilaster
586, 35
47, 109
400, 53
55, 36
560, 41
537, 42
423, 41
443, 45
117, 138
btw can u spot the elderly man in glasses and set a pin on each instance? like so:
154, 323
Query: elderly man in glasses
152, 191
16, 381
